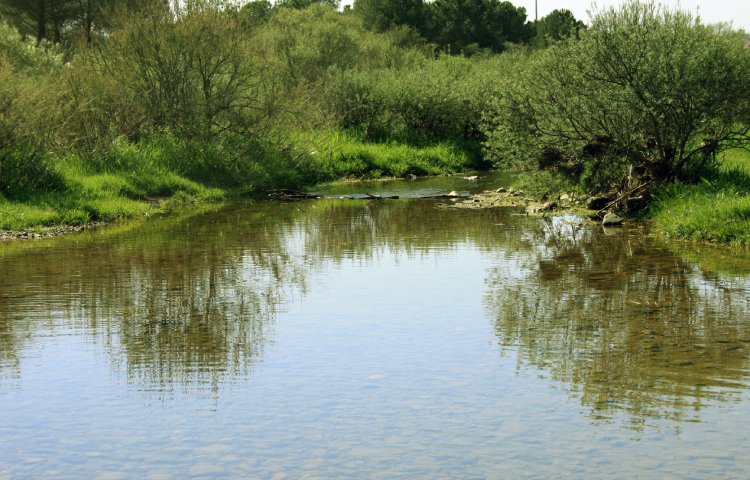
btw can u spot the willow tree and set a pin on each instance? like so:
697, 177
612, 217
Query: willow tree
647, 94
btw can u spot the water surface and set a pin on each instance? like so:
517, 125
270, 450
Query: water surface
372, 339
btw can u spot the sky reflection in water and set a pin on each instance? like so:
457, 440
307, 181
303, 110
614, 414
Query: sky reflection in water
354, 339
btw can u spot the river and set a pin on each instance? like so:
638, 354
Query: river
347, 338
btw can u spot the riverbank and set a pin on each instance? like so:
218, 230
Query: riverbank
714, 210
137, 180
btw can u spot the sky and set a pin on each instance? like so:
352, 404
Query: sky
710, 11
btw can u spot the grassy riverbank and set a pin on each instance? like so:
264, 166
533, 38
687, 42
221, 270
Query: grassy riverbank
717, 209
134, 180
165, 106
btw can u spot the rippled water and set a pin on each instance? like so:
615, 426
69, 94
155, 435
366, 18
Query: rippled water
372, 339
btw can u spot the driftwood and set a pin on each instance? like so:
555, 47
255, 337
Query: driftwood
622, 197
285, 194
380, 197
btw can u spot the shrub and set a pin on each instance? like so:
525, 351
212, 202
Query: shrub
25, 172
187, 69
646, 94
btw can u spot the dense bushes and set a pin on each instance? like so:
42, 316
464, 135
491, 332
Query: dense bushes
434, 99
25, 69
646, 95
181, 101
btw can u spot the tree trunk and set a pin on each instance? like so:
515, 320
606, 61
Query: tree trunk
41, 20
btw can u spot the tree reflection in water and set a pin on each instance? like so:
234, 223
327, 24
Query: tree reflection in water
179, 304
189, 302
628, 326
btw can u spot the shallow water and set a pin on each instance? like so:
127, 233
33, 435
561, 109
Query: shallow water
372, 339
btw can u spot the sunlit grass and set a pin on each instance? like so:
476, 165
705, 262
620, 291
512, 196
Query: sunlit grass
339, 155
108, 193
134, 179
715, 210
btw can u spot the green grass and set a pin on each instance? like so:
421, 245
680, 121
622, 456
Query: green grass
717, 209
338, 155
542, 184
135, 179
83, 194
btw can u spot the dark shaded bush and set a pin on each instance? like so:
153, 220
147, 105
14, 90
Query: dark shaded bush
25, 173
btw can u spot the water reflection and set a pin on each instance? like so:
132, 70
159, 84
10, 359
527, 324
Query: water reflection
627, 325
190, 303
178, 304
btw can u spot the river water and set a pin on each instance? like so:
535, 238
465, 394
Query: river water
390, 339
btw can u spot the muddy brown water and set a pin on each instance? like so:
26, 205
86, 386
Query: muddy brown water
372, 339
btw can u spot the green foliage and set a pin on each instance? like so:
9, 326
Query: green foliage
467, 26
68, 21
303, 4
559, 25
382, 15
433, 99
24, 172
455, 26
26, 55
255, 13
545, 185
647, 94
187, 70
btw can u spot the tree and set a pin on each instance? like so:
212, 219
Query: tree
557, 26
646, 96
382, 15
464, 25
302, 4
187, 69
256, 12
67, 20
33, 17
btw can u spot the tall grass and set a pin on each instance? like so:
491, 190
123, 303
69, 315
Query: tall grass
340, 154
77, 193
715, 210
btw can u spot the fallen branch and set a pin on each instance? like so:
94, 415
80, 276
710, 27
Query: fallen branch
379, 197
621, 197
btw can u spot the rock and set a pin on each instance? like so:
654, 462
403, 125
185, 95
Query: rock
598, 203
540, 208
471, 178
501, 190
611, 220
564, 197
453, 194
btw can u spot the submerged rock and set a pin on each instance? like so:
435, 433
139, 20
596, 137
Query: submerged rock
611, 220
